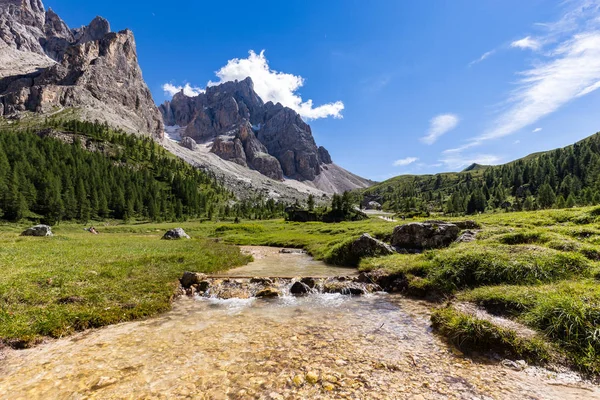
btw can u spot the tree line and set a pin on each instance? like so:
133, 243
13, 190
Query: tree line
95, 173
560, 178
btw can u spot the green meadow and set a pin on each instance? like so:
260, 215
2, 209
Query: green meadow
539, 268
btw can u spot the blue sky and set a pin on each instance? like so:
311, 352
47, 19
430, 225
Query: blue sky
426, 86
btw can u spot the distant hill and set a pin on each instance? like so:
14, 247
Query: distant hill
558, 178
475, 167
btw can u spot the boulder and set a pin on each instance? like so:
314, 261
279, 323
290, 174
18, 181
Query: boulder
174, 234
189, 143
38, 230
300, 288
424, 235
191, 278
368, 246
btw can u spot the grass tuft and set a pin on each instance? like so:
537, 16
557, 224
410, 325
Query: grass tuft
469, 333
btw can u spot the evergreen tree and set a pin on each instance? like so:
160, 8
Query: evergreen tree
546, 196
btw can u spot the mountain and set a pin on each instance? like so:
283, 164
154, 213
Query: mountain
47, 67
234, 123
48, 70
563, 177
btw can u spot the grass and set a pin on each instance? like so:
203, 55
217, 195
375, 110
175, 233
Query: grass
469, 333
567, 312
74, 280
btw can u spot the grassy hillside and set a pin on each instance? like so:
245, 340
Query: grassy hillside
554, 179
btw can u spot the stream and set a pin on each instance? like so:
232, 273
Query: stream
319, 346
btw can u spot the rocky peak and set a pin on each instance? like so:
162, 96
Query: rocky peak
225, 109
54, 26
96, 30
97, 70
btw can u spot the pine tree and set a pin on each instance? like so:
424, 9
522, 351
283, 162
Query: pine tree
546, 196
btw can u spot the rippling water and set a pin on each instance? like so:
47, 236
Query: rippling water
318, 346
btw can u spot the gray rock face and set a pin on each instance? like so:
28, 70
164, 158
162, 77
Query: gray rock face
174, 234
324, 156
425, 235
189, 143
22, 24
268, 132
38, 230
95, 70
242, 147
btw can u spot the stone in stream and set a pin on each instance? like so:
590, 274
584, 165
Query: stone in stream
299, 288
262, 281
191, 278
174, 234
424, 235
38, 230
308, 281
268, 292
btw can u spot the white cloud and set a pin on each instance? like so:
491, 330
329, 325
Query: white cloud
573, 71
275, 86
458, 161
536, 130
405, 161
527, 43
270, 85
188, 90
482, 58
517, 141
567, 70
439, 126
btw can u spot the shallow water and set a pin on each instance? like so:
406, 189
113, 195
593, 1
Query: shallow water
269, 262
373, 347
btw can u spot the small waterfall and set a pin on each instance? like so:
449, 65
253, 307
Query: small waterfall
246, 288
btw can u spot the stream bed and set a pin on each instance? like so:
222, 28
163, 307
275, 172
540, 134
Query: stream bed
321, 346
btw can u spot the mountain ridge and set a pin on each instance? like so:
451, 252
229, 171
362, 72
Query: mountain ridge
46, 67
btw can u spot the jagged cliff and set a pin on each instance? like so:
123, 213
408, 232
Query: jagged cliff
234, 122
46, 67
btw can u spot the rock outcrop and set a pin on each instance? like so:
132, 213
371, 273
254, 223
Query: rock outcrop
89, 69
189, 143
267, 137
424, 235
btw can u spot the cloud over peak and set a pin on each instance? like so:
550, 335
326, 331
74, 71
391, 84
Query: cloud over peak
271, 85
439, 126
171, 90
